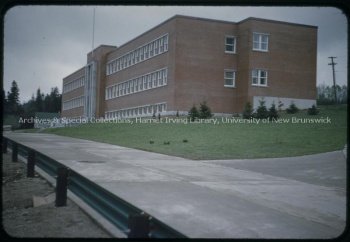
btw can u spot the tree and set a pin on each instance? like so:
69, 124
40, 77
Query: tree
13, 104
204, 110
313, 110
272, 113
4, 102
53, 104
261, 111
193, 113
39, 100
292, 108
248, 111
325, 94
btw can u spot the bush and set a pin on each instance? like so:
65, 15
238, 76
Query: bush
193, 113
292, 108
261, 111
313, 110
204, 110
272, 113
248, 111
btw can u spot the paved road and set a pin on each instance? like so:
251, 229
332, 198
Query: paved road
300, 197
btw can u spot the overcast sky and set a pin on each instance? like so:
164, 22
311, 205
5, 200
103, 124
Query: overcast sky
44, 44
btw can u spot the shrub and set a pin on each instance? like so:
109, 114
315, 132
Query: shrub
204, 110
292, 108
193, 113
248, 111
313, 110
261, 111
272, 113
280, 105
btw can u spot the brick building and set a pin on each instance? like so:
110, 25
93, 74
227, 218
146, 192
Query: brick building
186, 60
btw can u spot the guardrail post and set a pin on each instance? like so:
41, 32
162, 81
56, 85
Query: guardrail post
31, 163
61, 187
4, 145
14, 152
139, 226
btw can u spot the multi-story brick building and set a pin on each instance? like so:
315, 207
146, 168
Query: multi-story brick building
186, 60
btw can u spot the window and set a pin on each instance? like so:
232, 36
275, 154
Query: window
149, 80
230, 44
150, 50
259, 77
141, 54
145, 51
165, 43
229, 78
260, 42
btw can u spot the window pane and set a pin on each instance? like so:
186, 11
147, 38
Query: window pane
229, 74
228, 82
264, 38
229, 48
256, 38
229, 41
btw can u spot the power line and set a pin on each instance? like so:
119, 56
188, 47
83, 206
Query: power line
335, 90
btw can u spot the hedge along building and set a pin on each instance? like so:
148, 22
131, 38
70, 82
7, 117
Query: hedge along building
186, 60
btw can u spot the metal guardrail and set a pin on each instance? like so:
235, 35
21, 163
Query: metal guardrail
114, 209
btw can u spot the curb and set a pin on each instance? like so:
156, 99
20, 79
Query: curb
345, 151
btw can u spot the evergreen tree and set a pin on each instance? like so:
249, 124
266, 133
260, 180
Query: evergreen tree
272, 113
292, 108
39, 100
13, 104
4, 102
193, 113
204, 110
313, 110
248, 111
261, 111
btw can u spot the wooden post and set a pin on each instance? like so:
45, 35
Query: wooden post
139, 226
4, 145
14, 152
31, 163
61, 187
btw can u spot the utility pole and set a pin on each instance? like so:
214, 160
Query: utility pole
335, 90
93, 34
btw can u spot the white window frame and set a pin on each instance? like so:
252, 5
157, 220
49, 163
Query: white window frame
234, 44
259, 42
258, 76
233, 78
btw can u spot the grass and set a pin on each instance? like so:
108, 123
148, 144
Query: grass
224, 141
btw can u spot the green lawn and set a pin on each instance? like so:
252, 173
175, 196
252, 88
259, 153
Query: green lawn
225, 141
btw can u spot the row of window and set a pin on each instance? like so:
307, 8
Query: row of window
259, 77
260, 43
137, 111
73, 103
145, 82
79, 82
142, 53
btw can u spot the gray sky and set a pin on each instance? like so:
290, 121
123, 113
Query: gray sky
44, 44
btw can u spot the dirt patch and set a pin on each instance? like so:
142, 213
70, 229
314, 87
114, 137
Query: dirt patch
21, 219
